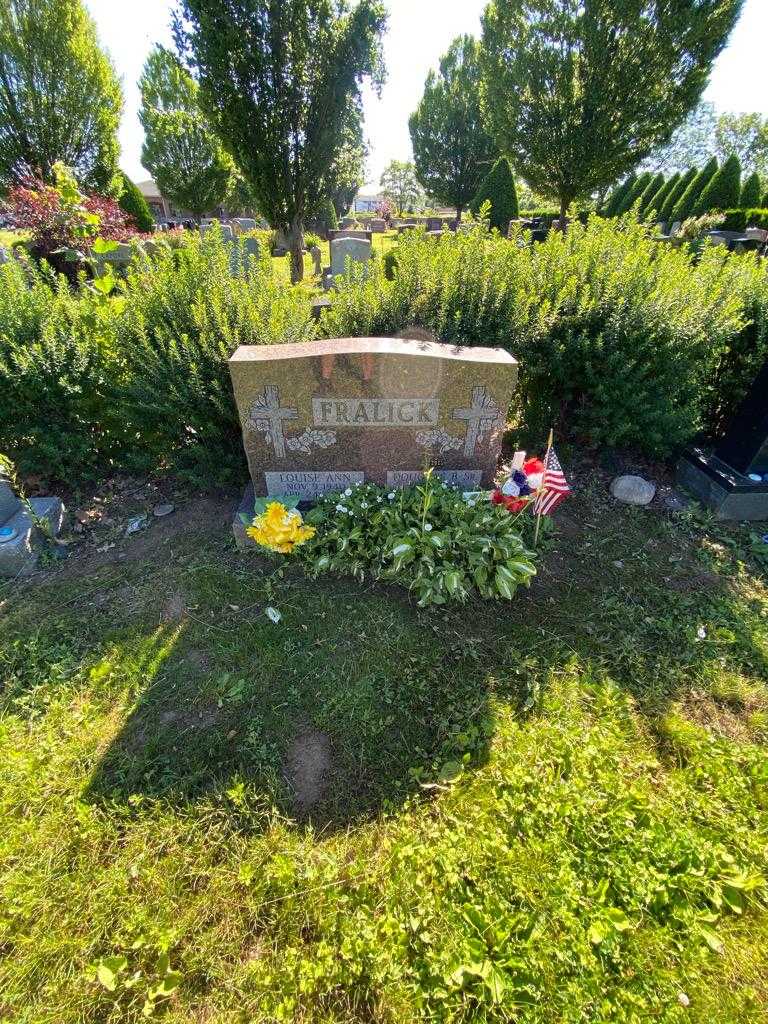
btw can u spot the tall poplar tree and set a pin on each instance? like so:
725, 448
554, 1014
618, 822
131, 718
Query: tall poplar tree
60, 99
580, 91
277, 78
452, 150
180, 151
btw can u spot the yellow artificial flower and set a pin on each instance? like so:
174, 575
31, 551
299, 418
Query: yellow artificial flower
279, 529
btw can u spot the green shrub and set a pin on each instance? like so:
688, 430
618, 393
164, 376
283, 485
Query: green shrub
184, 316
750, 192
57, 359
424, 537
675, 193
616, 334
498, 188
723, 189
135, 205
736, 365
547, 214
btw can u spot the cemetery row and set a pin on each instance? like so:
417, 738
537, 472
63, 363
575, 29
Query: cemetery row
151, 386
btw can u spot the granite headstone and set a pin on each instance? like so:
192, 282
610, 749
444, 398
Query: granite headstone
358, 250
732, 479
321, 416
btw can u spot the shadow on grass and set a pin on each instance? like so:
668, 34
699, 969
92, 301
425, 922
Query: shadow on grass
332, 719
356, 700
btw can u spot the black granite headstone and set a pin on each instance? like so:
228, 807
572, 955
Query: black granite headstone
745, 445
732, 480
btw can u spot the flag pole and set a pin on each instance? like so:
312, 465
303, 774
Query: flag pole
546, 464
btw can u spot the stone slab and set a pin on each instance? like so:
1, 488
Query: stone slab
20, 555
368, 408
719, 487
357, 249
9, 503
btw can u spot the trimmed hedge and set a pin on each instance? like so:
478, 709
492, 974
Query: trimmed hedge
740, 220
135, 205
499, 187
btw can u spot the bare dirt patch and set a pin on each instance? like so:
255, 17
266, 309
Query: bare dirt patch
308, 768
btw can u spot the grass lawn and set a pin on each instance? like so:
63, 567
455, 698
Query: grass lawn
550, 810
382, 243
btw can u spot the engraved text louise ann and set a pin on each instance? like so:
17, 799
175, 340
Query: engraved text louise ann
375, 412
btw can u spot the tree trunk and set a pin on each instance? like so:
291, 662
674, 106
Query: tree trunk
564, 204
295, 236
459, 211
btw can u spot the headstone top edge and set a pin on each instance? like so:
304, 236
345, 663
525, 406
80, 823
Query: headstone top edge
376, 346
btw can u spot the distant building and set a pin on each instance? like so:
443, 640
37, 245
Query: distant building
366, 202
164, 210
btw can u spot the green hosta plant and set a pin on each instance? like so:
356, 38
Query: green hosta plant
426, 537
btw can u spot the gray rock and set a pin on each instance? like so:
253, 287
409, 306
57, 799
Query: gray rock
633, 490
21, 541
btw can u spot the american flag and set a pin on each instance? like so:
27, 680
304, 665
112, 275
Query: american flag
554, 486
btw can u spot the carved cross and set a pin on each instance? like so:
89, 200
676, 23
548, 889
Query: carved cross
267, 417
483, 416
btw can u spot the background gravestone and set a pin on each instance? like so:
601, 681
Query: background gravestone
321, 416
358, 249
226, 231
732, 480
243, 224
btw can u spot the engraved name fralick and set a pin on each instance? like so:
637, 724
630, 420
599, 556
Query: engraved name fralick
375, 412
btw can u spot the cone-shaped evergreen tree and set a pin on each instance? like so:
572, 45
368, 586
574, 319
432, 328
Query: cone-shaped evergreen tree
750, 192
633, 194
723, 189
688, 200
650, 191
498, 186
675, 193
656, 202
615, 198
135, 205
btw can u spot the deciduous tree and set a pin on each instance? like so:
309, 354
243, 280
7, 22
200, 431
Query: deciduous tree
181, 152
746, 135
581, 92
60, 99
400, 184
452, 150
276, 80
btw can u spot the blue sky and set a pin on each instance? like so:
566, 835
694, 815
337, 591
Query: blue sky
420, 31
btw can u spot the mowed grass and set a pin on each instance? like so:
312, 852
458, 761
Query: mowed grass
553, 810
381, 244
